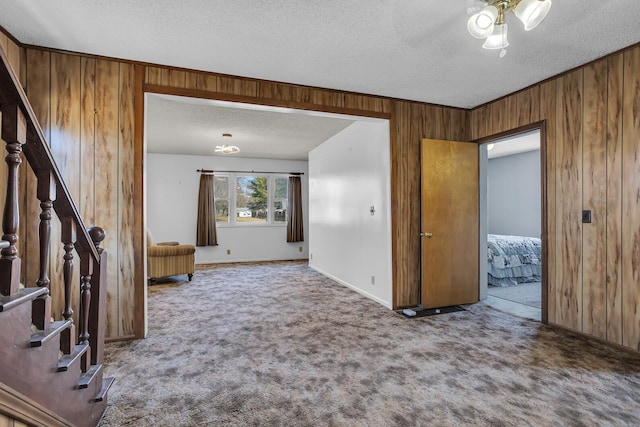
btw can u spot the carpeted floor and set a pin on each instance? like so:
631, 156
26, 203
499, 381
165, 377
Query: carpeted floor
277, 344
524, 293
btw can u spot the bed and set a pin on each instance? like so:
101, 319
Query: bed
513, 259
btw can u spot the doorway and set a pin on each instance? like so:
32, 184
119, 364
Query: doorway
511, 224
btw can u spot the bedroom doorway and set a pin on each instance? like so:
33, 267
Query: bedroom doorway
511, 224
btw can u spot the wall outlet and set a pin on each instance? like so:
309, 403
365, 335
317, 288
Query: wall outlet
228, 251
300, 249
310, 256
373, 280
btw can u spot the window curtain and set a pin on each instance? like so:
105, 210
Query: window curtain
206, 229
295, 231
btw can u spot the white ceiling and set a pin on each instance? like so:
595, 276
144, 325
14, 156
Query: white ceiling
179, 125
516, 144
409, 49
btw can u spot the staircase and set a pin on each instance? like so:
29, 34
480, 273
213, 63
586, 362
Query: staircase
51, 370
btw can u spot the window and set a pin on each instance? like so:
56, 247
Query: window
249, 203
221, 196
280, 198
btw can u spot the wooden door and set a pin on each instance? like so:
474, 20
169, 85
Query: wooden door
450, 221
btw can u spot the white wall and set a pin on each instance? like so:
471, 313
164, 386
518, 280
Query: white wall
348, 174
514, 201
172, 198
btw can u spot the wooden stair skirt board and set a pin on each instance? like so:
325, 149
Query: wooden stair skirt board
62, 388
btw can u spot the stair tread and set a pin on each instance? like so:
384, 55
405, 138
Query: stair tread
87, 377
40, 337
106, 385
68, 359
23, 295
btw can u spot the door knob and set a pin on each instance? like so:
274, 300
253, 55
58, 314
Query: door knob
429, 235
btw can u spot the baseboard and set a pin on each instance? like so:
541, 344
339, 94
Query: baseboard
350, 286
20, 408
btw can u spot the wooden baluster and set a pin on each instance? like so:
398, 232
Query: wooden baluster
86, 270
97, 314
46, 195
14, 132
69, 239
46, 192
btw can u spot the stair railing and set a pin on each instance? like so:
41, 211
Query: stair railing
23, 135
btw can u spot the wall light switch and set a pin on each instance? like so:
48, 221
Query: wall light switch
228, 251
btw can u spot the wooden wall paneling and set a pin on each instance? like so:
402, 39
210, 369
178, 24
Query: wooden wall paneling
191, 81
65, 145
630, 201
548, 113
268, 90
177, 78
442, 123
356, 102
418, 128
498, 119
154, 76
459, 125
126, 220
300, 94
594, 191
353, 101
569, 206
614, 199
13, 55
406, 262
535, 104
237, 86
86, 203
140, 235
106, 145
479, 118
327, 98
164, 76
511, 113
38, 92
207, 82
524, 106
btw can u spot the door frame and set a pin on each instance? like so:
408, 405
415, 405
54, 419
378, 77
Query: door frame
541, 127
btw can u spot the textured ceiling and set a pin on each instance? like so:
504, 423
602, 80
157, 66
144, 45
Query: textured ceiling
410, 49
178, 125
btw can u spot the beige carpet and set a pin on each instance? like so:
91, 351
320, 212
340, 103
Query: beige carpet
276, 344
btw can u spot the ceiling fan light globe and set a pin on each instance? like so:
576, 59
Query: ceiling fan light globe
497, 39
532, 12
481, 24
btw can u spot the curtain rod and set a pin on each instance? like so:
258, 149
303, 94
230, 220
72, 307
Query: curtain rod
252, 171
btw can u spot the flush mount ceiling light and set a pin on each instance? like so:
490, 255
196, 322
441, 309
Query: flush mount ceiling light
227, 149
487, 21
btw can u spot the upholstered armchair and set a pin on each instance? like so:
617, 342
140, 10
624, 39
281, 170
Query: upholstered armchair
169, 259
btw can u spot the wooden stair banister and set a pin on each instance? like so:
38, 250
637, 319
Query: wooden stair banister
83, 352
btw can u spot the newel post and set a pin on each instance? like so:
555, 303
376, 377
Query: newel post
98, 303
14, 132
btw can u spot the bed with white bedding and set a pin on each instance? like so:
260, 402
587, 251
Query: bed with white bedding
513, 259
